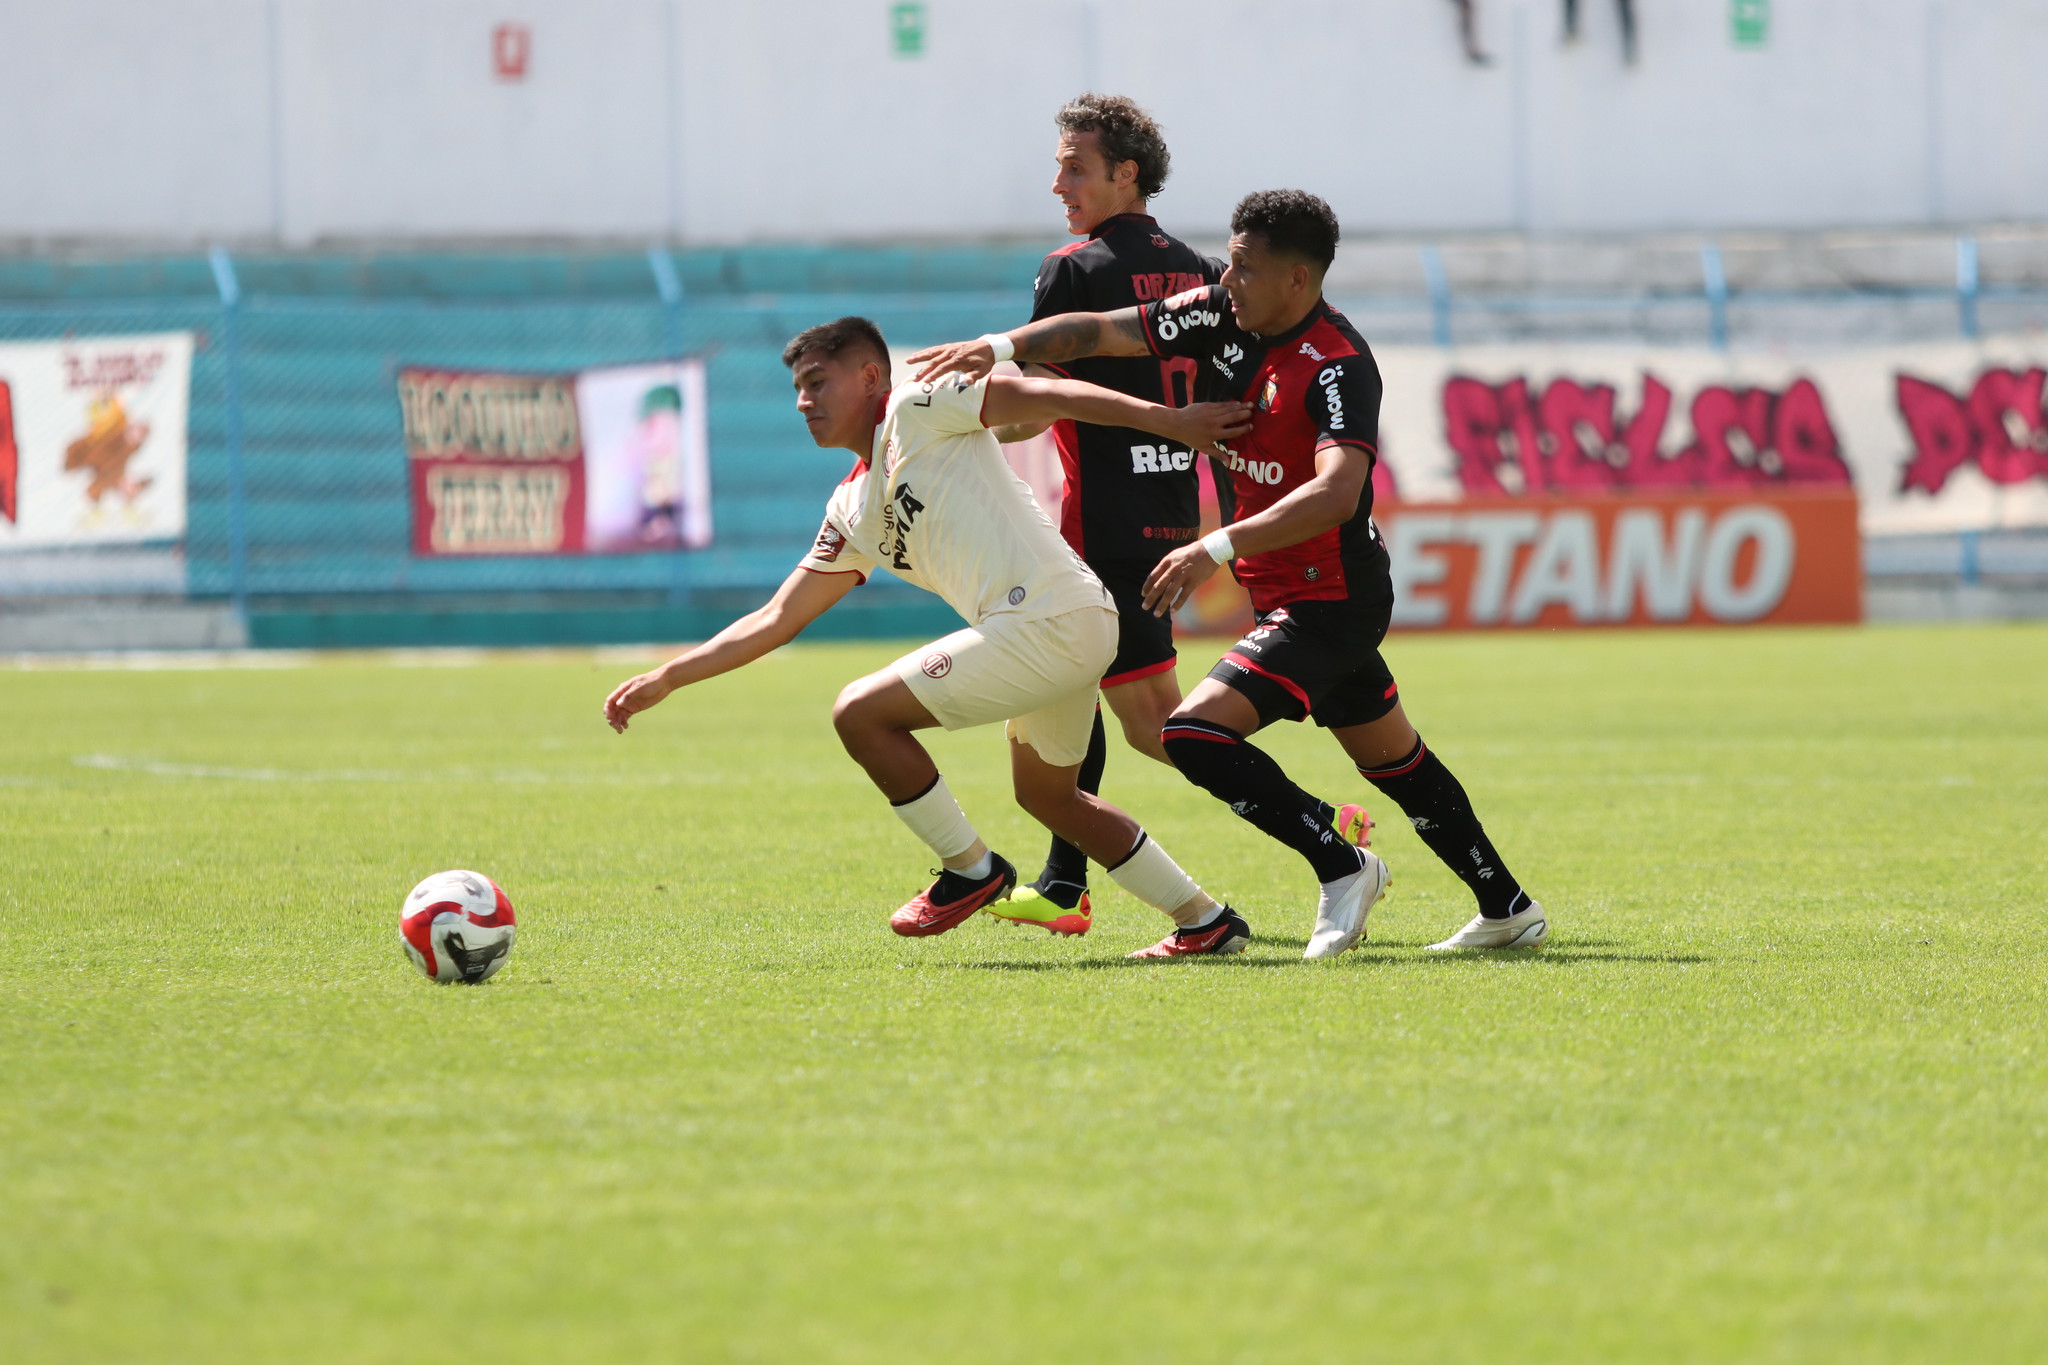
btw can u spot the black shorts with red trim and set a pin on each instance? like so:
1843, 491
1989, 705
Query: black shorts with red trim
1144, 642
1319, 659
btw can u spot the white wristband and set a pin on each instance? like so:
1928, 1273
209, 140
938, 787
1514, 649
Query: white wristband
1000, 343
1217, 543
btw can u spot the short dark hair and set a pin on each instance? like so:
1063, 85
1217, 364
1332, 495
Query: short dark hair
1293, 222
1125, 133
835, 336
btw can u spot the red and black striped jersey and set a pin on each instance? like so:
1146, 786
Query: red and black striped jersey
1129, 496
1312, 386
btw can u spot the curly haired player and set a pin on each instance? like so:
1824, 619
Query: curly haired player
1305, 546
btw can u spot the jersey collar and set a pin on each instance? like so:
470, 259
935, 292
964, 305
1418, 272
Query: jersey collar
881, 413
1315, 315
1147, 219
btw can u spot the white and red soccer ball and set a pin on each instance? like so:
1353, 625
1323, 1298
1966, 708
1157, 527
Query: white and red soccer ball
457, 926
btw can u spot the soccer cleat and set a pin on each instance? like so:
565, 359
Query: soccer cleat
1526, 928
1029, 905
1227, 934
1343, 905
1355, 824
950, 900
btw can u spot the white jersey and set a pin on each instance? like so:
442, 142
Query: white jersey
938, 506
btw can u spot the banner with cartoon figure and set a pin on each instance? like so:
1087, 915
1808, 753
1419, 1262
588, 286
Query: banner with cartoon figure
92, 440
604, 461
645, 451
1932, 437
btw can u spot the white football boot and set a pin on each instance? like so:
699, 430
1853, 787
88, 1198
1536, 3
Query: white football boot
1343, 905
1526, 928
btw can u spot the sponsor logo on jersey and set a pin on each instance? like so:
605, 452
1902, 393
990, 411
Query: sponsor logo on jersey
936, 664
1160, 459
1258, 471
894, 543
1232, 352
1015, 596
1328, 379
1159, 240
1311, 352
829, 543
1311, 573
1171, 532
1270, 394
1172, 324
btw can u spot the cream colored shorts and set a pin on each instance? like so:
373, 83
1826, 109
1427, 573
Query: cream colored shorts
1040, 676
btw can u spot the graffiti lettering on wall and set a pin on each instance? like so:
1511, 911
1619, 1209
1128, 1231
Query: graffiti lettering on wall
1999, 426
1509, 439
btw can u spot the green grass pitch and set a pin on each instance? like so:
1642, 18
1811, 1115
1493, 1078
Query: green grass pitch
1778, 1091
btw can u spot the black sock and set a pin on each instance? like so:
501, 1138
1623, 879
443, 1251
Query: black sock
1066, 867
1220, 761
1437, 806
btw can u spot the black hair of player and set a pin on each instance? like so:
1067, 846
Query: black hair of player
1290, 222
1124, 132
840, 334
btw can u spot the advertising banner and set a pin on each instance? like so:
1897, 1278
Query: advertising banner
603, 461
1932, 437
1695, 559
646, 455
92, 440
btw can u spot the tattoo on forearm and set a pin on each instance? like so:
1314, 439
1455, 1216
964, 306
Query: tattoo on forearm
1059, 338
1129, 323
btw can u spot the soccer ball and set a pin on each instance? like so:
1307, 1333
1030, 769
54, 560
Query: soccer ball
457, 926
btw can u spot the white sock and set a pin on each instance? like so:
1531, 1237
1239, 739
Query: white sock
977, 869
936, 818
1154, 878
1206, 918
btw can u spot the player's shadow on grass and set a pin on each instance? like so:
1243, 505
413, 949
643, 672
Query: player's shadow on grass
1094, 964
1578, 950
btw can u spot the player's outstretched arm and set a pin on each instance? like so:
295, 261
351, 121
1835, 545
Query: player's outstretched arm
803, 597
1069, 336
1199, 426
1323, 503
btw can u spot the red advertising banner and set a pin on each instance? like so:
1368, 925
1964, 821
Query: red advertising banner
497, 462
1693, 559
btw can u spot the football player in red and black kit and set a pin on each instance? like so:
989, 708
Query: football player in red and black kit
1129, 497
1305, 546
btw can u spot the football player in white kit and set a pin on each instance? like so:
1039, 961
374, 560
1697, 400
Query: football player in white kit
932, 499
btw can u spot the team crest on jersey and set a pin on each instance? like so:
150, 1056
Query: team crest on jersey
1269, 395
1159, 240
829, 543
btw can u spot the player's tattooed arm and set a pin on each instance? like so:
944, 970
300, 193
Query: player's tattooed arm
1069, 336
803, 597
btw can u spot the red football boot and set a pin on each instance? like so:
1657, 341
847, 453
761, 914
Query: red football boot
1229, 934
949, 901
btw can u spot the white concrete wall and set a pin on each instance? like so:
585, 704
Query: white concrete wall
301, 120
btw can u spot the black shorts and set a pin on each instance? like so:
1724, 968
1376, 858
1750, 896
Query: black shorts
1318, 659
1144, 642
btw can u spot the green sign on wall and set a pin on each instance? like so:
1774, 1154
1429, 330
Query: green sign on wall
906, 27
1749, 22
